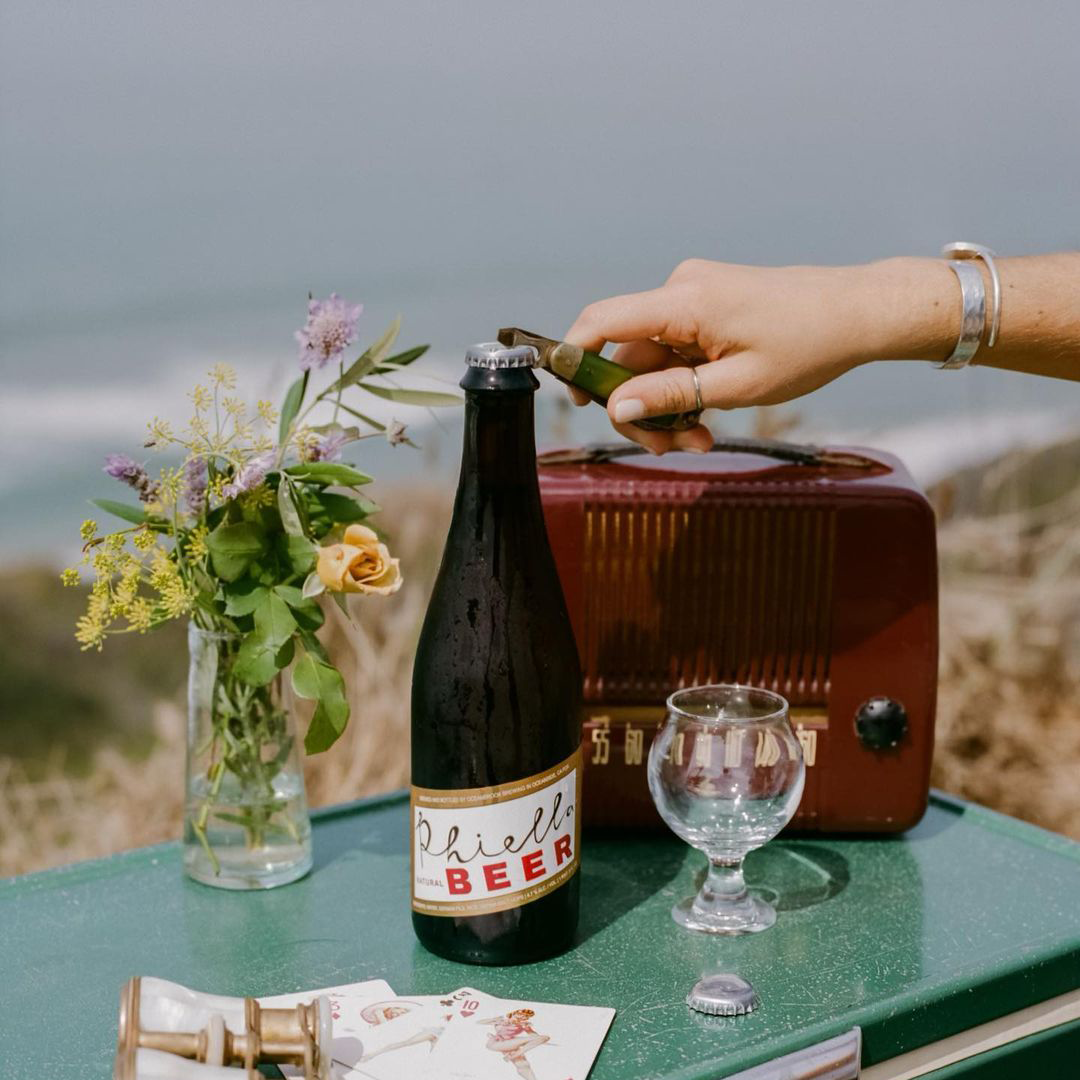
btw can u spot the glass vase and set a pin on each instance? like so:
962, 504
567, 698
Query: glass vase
246, 822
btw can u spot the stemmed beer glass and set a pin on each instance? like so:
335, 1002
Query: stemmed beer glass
726, 773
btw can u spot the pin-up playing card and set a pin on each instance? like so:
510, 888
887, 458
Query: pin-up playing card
393, 1047
518, 1040
342, 998
354, 1008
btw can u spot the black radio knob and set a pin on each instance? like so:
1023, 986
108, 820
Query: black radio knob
881, 723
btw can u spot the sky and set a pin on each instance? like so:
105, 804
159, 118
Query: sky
175, 178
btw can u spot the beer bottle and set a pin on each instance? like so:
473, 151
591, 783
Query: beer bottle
496, 727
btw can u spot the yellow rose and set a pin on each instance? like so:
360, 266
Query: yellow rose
361, 564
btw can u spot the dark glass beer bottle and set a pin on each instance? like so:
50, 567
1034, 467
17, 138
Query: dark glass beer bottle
496, 727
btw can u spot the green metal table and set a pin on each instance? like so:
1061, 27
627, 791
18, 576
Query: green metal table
967, 917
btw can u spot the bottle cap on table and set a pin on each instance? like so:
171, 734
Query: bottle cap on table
492, 354
723, 995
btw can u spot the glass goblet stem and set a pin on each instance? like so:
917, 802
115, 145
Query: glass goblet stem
724, 885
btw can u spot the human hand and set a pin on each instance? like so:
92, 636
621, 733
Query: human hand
761, 335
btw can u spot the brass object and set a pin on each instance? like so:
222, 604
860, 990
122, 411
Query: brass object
558, 357
297, 1036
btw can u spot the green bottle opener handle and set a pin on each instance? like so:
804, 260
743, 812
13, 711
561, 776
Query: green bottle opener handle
592, 373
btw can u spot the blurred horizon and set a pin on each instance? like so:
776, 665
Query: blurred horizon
174, 179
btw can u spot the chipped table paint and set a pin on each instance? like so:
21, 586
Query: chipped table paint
969, 916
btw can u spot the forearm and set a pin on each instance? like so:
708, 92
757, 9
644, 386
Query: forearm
911, 308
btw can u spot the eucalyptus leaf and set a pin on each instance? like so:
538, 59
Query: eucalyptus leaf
360, 416
233, 548
365, 364
287, 508
328, 472
294, 398
429, 398
243, 597
350, 433
122, 510
402, 359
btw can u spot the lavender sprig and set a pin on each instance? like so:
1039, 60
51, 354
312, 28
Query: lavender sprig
194, 483
122, 467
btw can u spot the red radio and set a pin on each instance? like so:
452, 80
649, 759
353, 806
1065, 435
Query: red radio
811, 572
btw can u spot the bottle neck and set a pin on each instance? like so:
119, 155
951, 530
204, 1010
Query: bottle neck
499, 451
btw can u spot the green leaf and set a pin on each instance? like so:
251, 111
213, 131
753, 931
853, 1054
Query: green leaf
328, 472
287, 508
122, 510
403, 359
343, 509
294, 398
429, 398
365, 364
306, 612
233, 548
315, 679
274, 621
360, 416
243, 597
342, 603
314, 646
298, 552
258, 661
337, 429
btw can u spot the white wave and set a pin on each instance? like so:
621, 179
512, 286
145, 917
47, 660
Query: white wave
38, 424
936, 447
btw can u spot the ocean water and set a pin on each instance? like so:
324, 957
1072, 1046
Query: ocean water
174, 179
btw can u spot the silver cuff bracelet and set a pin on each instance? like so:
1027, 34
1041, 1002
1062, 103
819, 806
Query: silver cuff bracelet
963, 250
973, 321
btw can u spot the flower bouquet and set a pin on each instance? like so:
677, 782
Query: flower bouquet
243, 535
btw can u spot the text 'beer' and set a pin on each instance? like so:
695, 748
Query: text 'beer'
496, 725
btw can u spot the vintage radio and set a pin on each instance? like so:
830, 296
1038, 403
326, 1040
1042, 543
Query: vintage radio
811, 572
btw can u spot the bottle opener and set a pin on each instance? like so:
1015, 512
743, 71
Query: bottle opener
590, 372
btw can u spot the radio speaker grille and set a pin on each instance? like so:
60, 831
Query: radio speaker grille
731, 591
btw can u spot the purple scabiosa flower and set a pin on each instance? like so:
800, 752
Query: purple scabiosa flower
328, 447
121, 467
330, 329
251, 475
194, 484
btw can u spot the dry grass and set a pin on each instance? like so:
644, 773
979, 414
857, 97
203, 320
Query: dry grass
1008, 719
1009, 711
126, 802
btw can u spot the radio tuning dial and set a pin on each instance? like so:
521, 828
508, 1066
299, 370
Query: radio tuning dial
881, 723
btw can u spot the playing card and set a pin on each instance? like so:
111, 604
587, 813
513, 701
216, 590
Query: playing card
342, 998
347, 1008
518, 1040
399, 1042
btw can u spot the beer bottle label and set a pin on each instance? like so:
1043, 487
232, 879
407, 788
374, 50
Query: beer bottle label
480, 850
